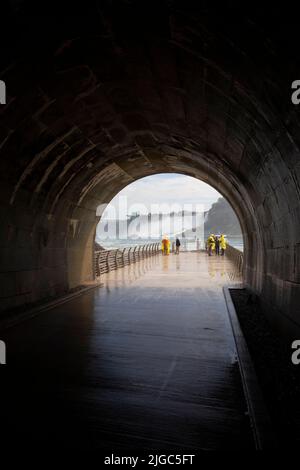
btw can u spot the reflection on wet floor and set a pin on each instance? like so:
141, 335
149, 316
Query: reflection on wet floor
217, 268
144, 364
129, 274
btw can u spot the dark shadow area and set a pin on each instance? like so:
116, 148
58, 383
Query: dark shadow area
278, 377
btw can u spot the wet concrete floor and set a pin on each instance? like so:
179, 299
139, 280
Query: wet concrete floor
145, 363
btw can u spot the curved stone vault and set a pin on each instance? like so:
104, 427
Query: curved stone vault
95, 102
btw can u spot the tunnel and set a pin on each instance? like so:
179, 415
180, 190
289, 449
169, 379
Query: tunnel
128, 90
160, 354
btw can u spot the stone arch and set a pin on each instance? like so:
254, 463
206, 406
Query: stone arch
118, 174
97, 107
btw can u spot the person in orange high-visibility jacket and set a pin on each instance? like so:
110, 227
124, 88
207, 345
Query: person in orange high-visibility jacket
165, 245
223, 244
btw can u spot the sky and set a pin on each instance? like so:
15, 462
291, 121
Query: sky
165, 190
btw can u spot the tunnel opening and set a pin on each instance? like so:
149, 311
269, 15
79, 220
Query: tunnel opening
188, 95
108, 193
170, 204
67, 227
105, 193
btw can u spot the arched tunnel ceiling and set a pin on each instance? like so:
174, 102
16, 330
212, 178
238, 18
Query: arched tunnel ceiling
126, 89
181, 86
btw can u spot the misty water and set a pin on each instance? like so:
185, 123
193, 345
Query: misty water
189, 227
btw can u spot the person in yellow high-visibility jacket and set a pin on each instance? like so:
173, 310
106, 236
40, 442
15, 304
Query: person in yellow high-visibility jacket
211, 244
165, 245
223, 244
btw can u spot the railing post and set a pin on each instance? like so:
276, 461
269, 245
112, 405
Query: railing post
128, 254
236, 257
123, 257
107, 261
97, 267
98, 264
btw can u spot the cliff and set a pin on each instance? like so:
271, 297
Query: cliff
222, 219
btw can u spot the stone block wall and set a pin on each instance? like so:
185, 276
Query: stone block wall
93, 106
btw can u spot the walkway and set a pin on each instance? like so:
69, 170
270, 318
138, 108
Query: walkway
144, 364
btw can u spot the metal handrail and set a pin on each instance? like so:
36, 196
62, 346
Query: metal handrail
110, 260
236, 256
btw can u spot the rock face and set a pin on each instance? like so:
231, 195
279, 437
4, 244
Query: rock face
98, 98
221, 218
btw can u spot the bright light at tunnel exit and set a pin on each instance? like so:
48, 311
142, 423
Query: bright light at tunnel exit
171, 204
165, 189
